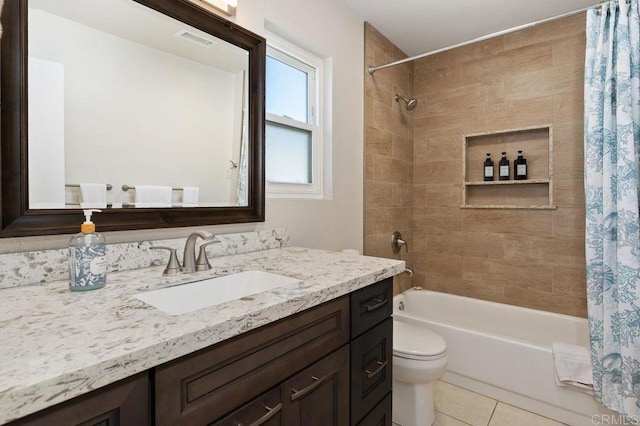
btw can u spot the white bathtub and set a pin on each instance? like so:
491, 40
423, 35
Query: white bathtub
503, 351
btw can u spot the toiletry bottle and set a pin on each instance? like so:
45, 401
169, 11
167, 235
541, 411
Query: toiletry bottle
504, 167
87, 257
488, 168
520, 167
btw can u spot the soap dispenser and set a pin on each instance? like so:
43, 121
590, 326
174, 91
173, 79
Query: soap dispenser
87, 257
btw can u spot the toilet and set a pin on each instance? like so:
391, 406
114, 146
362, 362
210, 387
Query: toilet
419, 359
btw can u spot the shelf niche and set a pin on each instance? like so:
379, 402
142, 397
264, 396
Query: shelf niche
535, 192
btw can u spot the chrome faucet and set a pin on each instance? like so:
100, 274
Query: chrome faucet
189, 259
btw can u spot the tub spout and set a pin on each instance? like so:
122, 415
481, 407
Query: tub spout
408, 271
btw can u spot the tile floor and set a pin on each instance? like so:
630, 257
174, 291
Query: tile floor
456, 406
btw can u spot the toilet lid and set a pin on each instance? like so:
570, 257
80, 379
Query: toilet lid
411, 341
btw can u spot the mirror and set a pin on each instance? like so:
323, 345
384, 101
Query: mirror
129, 93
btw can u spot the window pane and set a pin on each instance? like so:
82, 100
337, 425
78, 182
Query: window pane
288, 155
286, 91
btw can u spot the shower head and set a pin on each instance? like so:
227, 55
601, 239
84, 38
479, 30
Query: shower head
411, 103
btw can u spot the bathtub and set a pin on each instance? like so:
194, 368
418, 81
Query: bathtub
503, 351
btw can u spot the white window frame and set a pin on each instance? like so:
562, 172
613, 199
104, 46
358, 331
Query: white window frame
294, 56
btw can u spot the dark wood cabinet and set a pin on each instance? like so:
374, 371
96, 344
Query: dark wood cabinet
200, 388
380, 415
125, 403
328, 365
265, 410
319, 395
371, 353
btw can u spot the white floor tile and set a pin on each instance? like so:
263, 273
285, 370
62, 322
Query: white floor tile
444, 420
507, 415
463, 405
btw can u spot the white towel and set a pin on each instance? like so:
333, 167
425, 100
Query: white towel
190, 196
153, 196
93, 195
572, 364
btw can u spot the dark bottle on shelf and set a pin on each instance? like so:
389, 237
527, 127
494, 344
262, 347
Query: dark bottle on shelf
488, 168
520, 167
503, 167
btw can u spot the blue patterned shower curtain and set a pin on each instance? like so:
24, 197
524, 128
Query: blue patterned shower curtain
612, 186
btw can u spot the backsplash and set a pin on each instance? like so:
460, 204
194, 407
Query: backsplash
17, 269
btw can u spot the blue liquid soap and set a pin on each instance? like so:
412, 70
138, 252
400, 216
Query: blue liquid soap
87, 257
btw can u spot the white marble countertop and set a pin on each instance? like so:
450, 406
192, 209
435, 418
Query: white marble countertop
56, 344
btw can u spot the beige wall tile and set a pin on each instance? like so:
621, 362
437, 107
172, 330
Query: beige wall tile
444, 195
569, 281
378, 194
532, 258
478, 290
524, 222
378, 142
545, 301
508, 274
437, 172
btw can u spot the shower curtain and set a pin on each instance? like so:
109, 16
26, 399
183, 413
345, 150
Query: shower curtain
612, 186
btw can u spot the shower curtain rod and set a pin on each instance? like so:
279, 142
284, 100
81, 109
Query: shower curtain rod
373, 69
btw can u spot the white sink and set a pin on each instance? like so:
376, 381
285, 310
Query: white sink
186, 298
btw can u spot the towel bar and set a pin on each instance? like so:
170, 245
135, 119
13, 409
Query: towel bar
125, 188
77, 185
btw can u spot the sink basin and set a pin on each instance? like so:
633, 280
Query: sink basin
187, 298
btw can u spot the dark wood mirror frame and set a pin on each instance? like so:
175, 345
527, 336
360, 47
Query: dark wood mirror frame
16, 219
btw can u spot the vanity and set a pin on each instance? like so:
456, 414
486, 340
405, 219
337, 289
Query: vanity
315, 352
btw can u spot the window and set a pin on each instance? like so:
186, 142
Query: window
292, 134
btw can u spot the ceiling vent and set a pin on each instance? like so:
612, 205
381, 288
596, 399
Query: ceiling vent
195, 38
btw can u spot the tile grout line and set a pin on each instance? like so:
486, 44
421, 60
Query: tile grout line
453, 417
493, 412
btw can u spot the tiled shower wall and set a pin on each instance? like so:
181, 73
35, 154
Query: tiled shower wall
530, 258
388, 153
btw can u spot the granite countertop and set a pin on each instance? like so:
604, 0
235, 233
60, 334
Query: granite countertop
58, 344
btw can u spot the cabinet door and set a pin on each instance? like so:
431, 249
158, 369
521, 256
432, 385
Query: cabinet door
125, 403
371, 368
319, 395
380, 415
265, 410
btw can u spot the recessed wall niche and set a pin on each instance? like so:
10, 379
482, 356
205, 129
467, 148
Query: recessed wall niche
535, 192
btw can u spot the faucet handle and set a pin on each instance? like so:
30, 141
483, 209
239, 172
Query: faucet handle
173, 267
397, 242
202, 264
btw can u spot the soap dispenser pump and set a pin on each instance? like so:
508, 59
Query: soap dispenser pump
87, 257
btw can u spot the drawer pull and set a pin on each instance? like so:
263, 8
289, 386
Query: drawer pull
270, 413
300, 393
380, 303
381, 366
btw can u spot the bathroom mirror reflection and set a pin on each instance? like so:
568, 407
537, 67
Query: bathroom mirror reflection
121, 94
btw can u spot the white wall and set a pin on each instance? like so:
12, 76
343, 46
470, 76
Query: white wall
179, 108
330, 30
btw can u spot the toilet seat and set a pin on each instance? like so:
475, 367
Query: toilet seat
419, 343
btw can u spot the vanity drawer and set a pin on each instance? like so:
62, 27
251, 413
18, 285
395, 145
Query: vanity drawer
202, 387
371, 368
265, 410
370, 305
